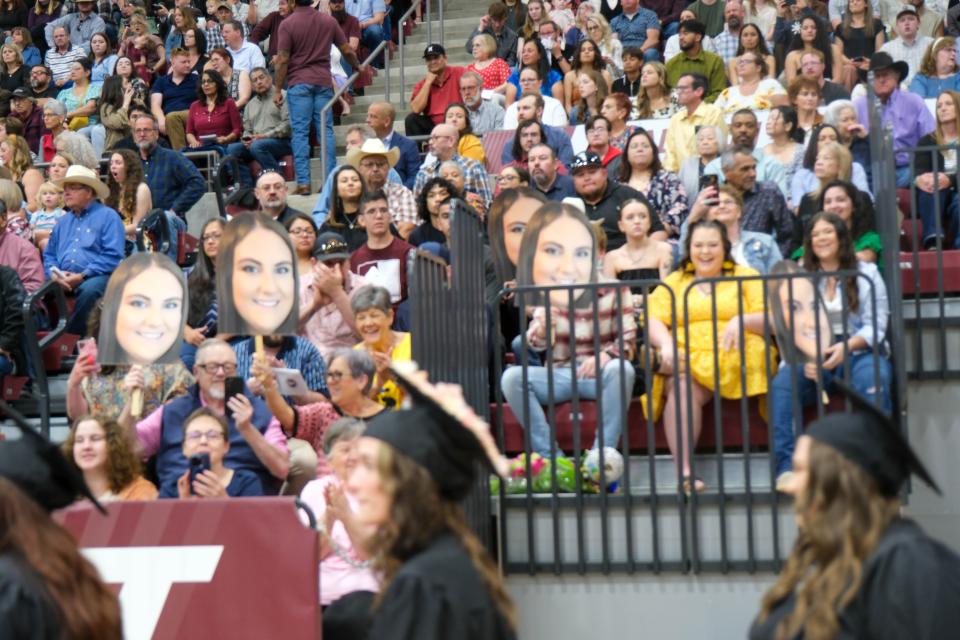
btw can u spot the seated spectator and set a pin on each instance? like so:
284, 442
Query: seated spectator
380, 117
629, 83
744, 132
531, 25
936, 175
851, 205
129, 194
171, 97
266, 129
681, 134
41, 86
672, 47
859, 35
533, 105
374, 316
207, 432
938, 71
751, 42
593, 91
640, 169
812, 65
101, 451
13, 72
177, 21
239, 88
485, 115
271, 193
246, 55
638, 27
382, 259
453, 173
587, 56
124, 70
257, 443
15, 154
443, 144
530, 108
344, 208
303, 234
492, 70
213, 120
85, 246
641, 257
102, 58
341, 571
58, 166
706, 254
533, 55
747, 248
616, 109
602, 197
288, 352
433, 93
373, 160
42, 222
813, 35
560, 243
469, 146
842, 115
804, 95
515, 177
195, 44
806, 181
857, 310
13, 358
144, 48
545, 173
529, 134
24, 108
202, 292
611, 49
786, 144
78, 148
114, 115
175, 182
726, 42
910, 45
20, 36
493, 25
755, 90
598, 139
695, 60
135, 111
18, 216
60, 56
434, 192
833, 162
654, 100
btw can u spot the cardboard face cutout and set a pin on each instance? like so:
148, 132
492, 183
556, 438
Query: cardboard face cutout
257, 279
800, 317
144, 311
506, 224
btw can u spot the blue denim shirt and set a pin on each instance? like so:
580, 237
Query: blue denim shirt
760, 251
861, 321
90, 242
633, 31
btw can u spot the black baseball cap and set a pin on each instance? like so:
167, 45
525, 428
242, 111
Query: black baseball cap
434, 50
22, 92
330, 246
585, 160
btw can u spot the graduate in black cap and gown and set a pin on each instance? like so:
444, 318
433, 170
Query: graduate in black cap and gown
414, 466
48, 590
858, 569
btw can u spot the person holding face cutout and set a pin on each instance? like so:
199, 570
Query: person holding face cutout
256, 278
559, 248
144, 311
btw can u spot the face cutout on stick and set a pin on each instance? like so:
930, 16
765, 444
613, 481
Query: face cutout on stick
799, 315
256, 278
145, 307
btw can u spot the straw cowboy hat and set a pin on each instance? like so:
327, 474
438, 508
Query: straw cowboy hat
372, 147
78, 174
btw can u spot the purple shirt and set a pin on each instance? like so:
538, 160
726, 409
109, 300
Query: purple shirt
909, 117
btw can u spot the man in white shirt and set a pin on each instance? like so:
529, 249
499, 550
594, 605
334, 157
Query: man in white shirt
910, 46
246, 55
553, 112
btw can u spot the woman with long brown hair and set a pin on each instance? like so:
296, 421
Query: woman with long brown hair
129, 194
653, 99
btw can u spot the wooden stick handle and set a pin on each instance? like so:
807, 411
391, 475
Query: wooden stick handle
136, 403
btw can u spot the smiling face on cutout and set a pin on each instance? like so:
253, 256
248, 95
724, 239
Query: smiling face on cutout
564, 255
150, 315
264, 290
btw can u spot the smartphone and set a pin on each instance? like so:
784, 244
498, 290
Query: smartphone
709, 181
232, 386
87, 348
199, 463
291, 382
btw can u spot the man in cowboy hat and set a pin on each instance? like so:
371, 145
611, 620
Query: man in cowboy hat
906, 112
86, 245
373, 160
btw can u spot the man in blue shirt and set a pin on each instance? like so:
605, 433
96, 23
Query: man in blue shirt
86, 244
175, 183
374, 24
544, 173
171, 96
638, 27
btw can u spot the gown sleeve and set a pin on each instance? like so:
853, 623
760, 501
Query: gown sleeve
410, 610
24, 612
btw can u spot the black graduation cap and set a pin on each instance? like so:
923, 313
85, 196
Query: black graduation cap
871, 439
433, 437
39, 468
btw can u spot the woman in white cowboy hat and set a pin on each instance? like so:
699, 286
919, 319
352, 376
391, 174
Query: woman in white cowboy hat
374, 161
85, 247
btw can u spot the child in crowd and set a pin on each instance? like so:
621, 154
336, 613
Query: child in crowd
45, 218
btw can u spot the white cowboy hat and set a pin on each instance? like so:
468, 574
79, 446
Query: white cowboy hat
372, 147
78, 174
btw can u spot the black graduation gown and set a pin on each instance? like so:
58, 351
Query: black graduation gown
26, 610
438, 595
911, 589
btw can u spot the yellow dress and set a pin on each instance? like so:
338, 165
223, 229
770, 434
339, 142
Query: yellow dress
698, 337
471, 147
388, 393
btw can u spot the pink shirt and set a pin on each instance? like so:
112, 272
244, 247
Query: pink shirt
337, 577
23, 257
326, 328
312, 422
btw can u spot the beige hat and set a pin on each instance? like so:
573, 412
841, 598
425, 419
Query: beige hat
372, 147
78, 174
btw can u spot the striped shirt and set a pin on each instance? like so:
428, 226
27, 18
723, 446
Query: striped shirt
60, 63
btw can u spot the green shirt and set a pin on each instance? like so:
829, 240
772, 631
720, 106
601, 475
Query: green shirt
708, 64
711, 15
869, 240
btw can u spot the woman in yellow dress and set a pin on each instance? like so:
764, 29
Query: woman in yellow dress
706, 256
373, 317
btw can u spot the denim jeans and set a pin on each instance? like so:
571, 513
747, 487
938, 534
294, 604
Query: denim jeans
670, 29
781, 397
651, 55
535, 393
87, 294
949, 215
305, 103
904, 176
266, 151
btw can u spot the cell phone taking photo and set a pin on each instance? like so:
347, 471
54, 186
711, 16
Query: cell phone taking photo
199, 463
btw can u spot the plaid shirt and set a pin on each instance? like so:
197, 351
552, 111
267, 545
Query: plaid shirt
765, 210
403, 206
175, 182
474, 178
725, 45
215, 38
295, 353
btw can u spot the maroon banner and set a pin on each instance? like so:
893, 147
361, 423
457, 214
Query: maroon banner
233, 568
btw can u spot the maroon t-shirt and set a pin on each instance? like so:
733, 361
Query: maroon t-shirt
350, 26
385, 267
307, 36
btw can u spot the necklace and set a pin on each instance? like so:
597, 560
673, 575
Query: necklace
351, 224
634, 259
341, 552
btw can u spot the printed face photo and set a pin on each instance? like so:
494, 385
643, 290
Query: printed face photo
801, 318
263, 285
150, 315
564, 255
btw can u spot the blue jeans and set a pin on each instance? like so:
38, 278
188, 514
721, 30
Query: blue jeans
87, 294
535, 393
305, 103
6, 366
949, 215
266, 151
371, 37
670, 29
904, 177
781, 397
651, 55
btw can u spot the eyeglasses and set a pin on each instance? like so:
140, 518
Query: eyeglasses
335, 376
210, 237
305, 231
212, 367
211, 436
